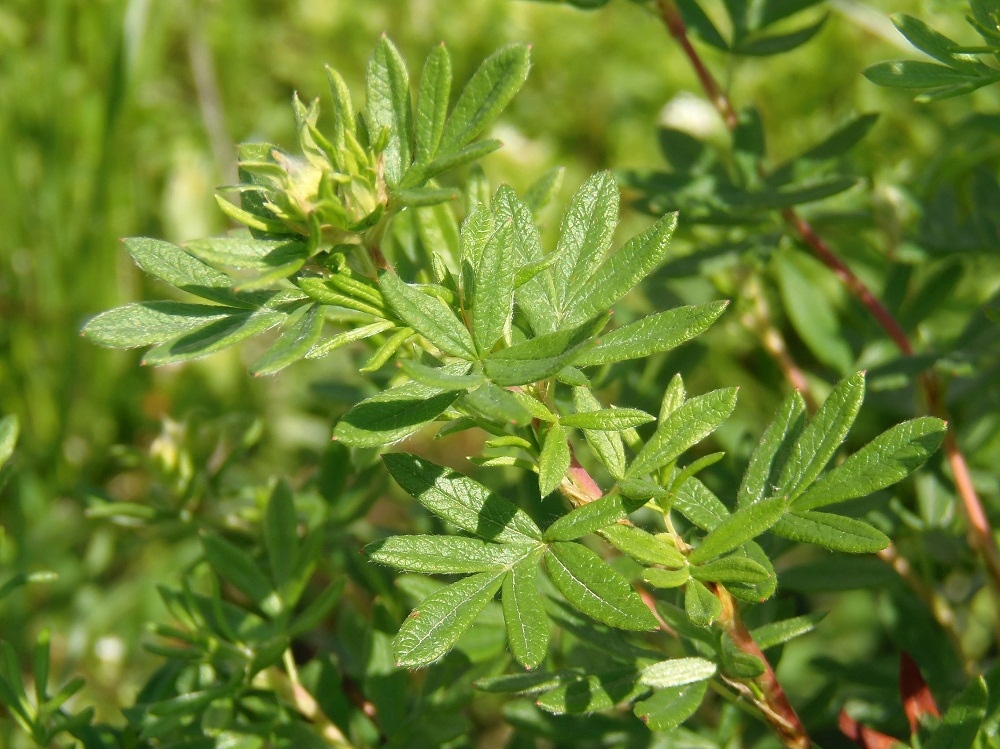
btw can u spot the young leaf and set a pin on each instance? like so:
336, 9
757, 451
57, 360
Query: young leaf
427, 315
822, 436
608, 419
682, 428
586, 233
538, 358
476, 232
525, 618
392, 415
461, 501
659, 332
214, 336
493, 282
171, 264
783, 430
439, 620
620, 272
345, 337
776, 633
147, 323
591, 517
830, 531
442, 377
553, 461
743, 525
281, 536
607, 446
642, 546
668, 708
700, 605
890, 457
389, 106
445, 554
677, 672
489, 90
432, 103
666, 578
595, 588
293, 344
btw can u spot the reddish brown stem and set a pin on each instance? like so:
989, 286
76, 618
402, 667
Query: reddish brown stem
980, 531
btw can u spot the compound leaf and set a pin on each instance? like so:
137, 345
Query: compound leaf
147, 323
591, 517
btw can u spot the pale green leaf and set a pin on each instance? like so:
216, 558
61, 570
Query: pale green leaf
608, 419
682, 428
525, 618
10, 428
607, 446
442, 377
642, 546
541, 192
700, 604
293, 344
777, 633
343, 111
595, 588
464, 503
659, 332
620, 272
830, 531
822, 436
214, 336
660, 578
477, 230
445, 554
732, 569
345, 337
587, 230
890, 457
494, 287
743, 525
538, 358
427, 315
677, 672
489, 90
147, 323
247, 253
388, 105
591, 517
431, 630
171, 264
392, 415
432, 103
553, 460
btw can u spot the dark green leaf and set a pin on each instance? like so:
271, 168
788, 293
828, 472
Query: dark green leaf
915, 74
496, 405
619, 272
743, 525
777, 43
445, 554
660, 332
293, 344
235, 566
489, 90
830, 531
432, 103
933, 43
591, 517
461, 501
439, 620
427, 315
668, 708
586, 693
525, 619
682, 428
890, 457
392, 415
281, 535
389, 106
595, 588
254, 254
961, 721
822, 436
732, 569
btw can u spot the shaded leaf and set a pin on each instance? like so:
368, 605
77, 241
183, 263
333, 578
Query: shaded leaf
591, 517
392, 415
293, 344
668, 708
700, 605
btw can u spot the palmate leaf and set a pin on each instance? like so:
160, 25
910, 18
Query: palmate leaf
439, 620
464, 503
743, 525
595, 588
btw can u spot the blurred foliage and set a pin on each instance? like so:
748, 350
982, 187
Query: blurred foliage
120, 118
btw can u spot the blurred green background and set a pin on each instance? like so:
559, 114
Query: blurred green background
120, 118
